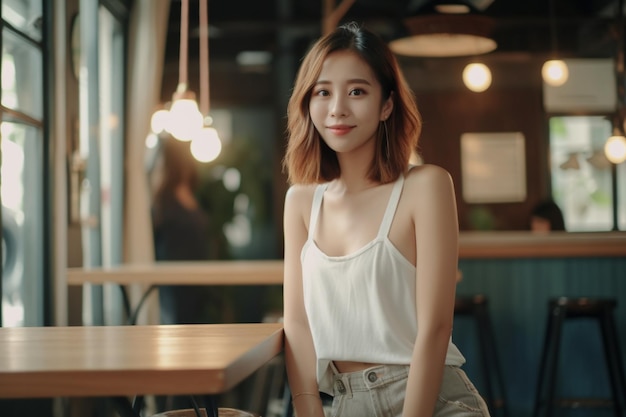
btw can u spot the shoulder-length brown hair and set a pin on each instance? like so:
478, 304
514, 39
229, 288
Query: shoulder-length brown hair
308, 160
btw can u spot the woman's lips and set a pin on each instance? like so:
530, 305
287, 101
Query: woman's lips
340, 129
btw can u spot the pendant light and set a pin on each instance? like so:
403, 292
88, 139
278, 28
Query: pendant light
206, 144
477, 77
615, 146
554, 71
184, 119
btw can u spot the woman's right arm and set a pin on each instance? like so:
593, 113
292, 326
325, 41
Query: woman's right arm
300, 355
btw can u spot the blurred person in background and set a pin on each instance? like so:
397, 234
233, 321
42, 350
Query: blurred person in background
180, 227
547, 216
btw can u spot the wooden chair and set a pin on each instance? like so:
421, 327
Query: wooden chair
190, 412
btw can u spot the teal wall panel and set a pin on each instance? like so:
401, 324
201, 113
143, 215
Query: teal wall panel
518, 291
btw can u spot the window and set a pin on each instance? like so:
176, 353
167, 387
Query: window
582, 180
22, 190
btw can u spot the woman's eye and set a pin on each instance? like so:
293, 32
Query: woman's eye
322, 93
357, 92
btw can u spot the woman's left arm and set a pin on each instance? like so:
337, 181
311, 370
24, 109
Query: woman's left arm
436, 236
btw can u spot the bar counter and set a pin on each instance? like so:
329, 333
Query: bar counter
519, 272
490, 245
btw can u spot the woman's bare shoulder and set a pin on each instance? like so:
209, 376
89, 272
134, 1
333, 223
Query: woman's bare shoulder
300, 196
428, 175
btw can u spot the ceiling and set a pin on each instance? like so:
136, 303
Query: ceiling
582, 26
575, 28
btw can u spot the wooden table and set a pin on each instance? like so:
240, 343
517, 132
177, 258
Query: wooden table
263, 272
113, 361
259, 272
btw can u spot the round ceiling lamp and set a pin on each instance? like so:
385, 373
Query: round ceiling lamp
615, 149
477, 77
445, 35
555, 72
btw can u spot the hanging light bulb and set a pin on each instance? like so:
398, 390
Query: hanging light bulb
206, 146
615, 149
159, 120
555, 72
477, 77
184, 118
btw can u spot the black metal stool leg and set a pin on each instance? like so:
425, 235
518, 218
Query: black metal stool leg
481, 322
499, 402
558, 315
613, 360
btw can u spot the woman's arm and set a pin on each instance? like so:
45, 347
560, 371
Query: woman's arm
436, 236
300, 355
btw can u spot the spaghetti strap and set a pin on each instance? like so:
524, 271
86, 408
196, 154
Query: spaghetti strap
315, 208
391, 207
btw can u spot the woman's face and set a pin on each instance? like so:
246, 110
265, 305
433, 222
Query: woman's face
346, 103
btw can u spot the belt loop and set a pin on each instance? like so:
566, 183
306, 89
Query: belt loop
341, 385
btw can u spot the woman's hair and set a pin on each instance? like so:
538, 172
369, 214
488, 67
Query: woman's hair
308, 159
551, 212
178, 167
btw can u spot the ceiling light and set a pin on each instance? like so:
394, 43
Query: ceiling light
445, 35
477, 77
555, 72
615, 149
452, 8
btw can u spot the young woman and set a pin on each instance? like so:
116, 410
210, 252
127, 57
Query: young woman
370, 244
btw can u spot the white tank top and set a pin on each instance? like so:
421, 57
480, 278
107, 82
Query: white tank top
361, 307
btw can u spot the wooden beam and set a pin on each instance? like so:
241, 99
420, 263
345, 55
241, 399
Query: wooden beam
332, 15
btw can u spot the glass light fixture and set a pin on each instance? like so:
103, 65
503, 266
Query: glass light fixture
206, 146
615, 149
158, 121
555, 72
477, 77
184, 118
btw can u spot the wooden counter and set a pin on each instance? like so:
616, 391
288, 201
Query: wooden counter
264, 272
493, 245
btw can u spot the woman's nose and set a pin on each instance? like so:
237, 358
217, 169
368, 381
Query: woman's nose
338, 106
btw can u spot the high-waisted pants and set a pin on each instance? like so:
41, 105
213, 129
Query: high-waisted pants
380, 391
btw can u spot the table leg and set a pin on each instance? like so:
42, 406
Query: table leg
132, 319
124, 407
211, 406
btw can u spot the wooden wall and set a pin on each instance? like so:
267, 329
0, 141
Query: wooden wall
514, 103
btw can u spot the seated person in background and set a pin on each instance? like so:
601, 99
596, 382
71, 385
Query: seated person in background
546, 216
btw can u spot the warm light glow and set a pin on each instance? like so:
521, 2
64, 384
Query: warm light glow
615, 149
184, 120
158, 121
555, 72
152, 140
206, 146
477, 77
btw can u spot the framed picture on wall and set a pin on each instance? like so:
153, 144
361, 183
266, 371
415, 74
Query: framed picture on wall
493, 167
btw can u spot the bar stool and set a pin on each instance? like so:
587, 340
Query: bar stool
475, 307
560, 309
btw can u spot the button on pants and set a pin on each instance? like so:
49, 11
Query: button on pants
379, 392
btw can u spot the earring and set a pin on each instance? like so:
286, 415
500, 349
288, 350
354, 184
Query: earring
386, 138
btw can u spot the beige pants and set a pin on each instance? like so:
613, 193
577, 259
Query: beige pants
380, 392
